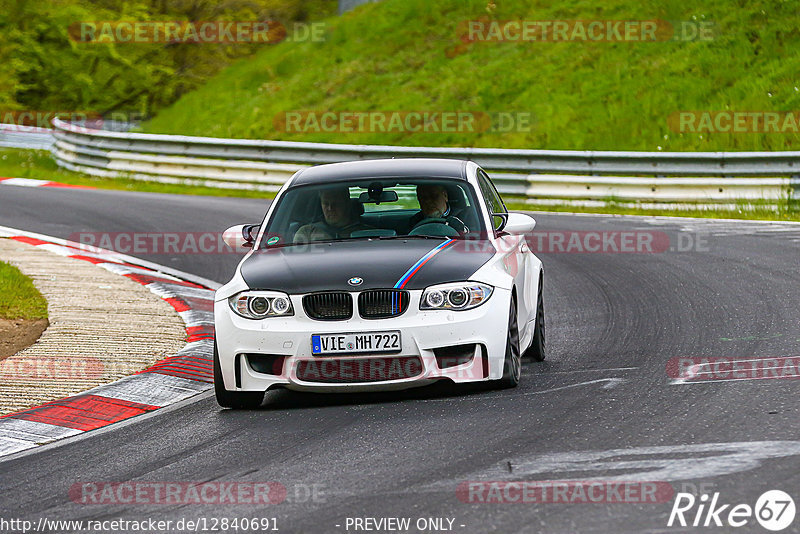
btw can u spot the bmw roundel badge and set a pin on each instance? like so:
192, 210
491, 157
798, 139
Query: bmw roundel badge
355, 281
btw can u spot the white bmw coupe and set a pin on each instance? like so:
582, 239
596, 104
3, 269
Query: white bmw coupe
379, 275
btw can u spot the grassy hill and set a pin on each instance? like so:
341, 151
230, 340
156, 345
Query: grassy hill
408, 55
47, 67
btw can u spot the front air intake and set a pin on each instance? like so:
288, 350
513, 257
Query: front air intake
359, 370
329, 306
454, 355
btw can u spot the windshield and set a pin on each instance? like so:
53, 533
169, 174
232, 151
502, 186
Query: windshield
372, 208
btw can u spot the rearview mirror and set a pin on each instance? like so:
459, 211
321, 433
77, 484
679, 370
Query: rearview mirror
241, 236
377, 198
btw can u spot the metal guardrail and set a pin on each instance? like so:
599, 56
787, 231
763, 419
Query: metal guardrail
14, 136
671, 177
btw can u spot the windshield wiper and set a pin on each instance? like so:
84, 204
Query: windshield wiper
360, 238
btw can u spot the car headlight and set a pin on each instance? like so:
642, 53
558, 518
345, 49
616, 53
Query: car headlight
455, 296
261, 304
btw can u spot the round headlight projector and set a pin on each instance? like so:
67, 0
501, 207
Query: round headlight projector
259, 306
457, 298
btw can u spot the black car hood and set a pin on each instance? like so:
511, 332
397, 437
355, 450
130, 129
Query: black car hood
380, 263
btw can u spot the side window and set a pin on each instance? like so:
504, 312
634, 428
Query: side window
492, 198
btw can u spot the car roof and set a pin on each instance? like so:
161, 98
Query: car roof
382, 168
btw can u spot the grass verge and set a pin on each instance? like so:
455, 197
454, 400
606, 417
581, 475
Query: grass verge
743, 212
19, 298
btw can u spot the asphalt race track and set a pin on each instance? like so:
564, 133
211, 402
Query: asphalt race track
614, 321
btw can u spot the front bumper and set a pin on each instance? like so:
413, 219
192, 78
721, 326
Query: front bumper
288, 339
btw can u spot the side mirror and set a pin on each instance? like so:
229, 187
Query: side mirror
241, 236
519, 223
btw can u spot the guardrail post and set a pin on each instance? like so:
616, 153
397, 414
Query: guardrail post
794, 194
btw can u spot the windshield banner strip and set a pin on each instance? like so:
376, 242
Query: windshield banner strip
416, 267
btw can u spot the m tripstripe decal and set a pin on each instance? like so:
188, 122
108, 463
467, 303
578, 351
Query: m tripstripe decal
417, 266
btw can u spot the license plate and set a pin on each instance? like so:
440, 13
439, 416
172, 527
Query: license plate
355, 343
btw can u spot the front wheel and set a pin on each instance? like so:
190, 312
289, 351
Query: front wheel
536, 351
233, 399
512, 365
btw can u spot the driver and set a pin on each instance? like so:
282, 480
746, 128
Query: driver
434, 204
340, 219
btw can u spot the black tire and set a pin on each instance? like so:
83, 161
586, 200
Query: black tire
233, 399
536, 351
512, 365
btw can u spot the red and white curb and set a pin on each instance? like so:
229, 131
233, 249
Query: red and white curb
32, 182
166, 382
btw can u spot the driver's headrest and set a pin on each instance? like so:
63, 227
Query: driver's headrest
357, 207
455, 197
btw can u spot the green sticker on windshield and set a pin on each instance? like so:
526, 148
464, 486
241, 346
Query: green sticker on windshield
273, 240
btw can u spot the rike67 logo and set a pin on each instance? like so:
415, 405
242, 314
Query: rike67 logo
774, 510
